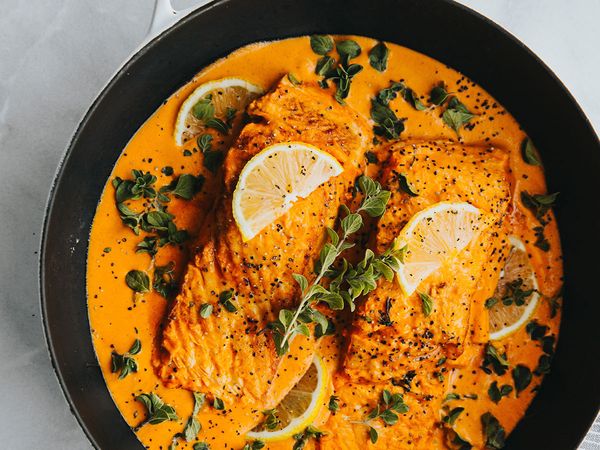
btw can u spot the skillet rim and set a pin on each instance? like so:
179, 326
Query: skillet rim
122, 71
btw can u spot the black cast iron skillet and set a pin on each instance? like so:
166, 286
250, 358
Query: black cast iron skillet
570, 396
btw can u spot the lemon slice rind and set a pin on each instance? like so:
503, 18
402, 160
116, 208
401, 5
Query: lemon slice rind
274, 179
200, 92
299, 423
412, 273
531, 306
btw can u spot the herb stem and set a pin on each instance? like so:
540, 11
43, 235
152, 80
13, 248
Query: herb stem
360, 279
307, 297
144, 422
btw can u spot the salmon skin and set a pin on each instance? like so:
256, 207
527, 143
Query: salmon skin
228, 354
392, 345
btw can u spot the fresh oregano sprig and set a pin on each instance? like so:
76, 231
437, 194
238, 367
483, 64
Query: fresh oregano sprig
386, 410
301, 439
347, 282
125, 363
157, 410
193, 425
154, 218
341, 72
254, 445
386, 122
271, 421
204, 111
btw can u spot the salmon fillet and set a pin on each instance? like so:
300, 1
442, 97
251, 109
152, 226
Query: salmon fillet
228, 354
392, 345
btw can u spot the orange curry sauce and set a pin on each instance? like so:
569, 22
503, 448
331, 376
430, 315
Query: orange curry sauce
118, 317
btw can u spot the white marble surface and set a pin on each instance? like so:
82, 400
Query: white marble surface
54, 58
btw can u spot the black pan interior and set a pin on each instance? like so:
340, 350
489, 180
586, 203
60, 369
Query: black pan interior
570, 396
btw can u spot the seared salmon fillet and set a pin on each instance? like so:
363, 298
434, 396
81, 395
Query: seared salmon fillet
392, 345
229, 354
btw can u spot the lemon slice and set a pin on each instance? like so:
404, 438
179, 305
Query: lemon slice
434, 235
300, 407
517, 274
274, 179
227, 93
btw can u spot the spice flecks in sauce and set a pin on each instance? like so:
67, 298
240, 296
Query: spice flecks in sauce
116, 321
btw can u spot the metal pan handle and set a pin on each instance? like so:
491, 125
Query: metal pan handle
164, 15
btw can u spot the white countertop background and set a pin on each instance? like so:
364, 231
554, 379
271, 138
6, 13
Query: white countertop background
55, 56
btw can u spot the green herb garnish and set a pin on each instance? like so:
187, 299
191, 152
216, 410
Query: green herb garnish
438, 94
371, 158
490, 302
522, 378
387, 123
163, 281
347, 282
530, 153
453, 415
536, 331
411, 98
539, 204
321, 44
378, 57
460, 443
157, 411
456, 114
427, 302
204, 142
271, 421
217, 124
451, 396
138, 281
543, 366
386, 95
541, 241
333, 404
494, 361
342, 73
192, 426
555, 302
213, 159
293, 79
324, 65
206, 310
496, 393
254, 445
148, 245
142, 185
218, 404
302, 439
515, 294
185, 186
386, 410
348, 49
494, 433
405, 185
226, 301
154, 218
125, 363
204, 111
